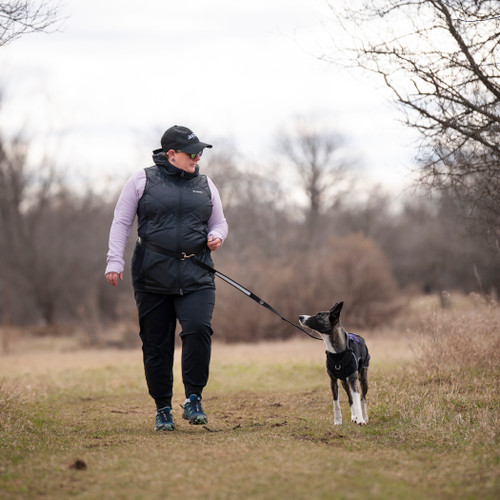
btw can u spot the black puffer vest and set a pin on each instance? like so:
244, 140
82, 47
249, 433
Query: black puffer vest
172, 214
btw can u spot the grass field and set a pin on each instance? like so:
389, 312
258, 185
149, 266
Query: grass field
79, 423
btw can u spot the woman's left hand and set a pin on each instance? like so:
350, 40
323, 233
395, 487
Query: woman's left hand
214, 243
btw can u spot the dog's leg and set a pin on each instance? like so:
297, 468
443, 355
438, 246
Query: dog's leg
352, 388
363, 380
337, 413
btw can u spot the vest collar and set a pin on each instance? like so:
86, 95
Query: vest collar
169, 169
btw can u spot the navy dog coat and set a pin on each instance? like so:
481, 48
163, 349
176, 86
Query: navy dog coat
355, 357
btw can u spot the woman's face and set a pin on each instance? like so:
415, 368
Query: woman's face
183, 160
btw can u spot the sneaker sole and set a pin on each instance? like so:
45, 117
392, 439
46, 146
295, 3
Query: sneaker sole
196, 420
165, 428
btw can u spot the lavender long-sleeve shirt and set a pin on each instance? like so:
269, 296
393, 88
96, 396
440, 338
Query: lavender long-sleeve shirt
126, 210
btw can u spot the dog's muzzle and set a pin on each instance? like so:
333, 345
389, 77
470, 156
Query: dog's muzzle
303, 319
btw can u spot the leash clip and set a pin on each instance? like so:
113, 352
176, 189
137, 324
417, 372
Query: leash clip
186, 256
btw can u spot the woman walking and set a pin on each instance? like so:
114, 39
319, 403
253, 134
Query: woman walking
179, 213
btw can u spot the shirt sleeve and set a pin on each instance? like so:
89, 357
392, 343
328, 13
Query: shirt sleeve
217, 225
123, 220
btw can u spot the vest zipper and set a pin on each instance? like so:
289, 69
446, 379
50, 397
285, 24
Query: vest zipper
179, 218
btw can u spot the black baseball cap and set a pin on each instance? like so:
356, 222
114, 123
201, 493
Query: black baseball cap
182, 139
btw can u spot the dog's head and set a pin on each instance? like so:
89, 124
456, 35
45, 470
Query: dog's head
323, 322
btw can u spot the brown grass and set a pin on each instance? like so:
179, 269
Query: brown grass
456, 373
454, 339
78, 423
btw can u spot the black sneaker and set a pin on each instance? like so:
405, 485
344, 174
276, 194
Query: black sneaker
193, 412
164, 420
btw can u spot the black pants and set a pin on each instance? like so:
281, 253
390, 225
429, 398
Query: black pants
157, 321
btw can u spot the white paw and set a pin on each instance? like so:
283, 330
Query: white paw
338, 421
358, 420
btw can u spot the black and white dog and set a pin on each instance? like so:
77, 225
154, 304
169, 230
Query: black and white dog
347, 359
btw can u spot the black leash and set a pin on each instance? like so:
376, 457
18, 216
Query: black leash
227, 279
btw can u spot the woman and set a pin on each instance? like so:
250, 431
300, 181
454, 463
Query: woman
179, 214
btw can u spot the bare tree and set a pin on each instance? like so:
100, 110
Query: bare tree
19, 17
51, 244
319, 158
253, 203
440, 58
24, 198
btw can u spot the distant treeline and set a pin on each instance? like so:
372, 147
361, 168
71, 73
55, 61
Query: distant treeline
365, 250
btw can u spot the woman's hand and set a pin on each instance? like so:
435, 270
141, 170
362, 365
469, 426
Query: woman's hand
113, 278
214, 243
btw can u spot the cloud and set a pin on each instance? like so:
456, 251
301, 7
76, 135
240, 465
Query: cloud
120, 72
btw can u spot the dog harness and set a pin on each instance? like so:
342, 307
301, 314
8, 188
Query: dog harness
354, 358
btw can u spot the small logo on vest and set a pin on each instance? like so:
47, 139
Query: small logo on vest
198, 192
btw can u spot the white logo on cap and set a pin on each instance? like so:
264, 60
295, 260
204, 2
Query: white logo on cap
192, 136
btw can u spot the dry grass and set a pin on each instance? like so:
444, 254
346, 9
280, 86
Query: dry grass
79, 423
457, 370
453, 339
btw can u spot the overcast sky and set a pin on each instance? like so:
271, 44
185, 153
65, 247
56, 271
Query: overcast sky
99, 93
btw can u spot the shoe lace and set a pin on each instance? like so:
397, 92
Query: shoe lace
164, 413
195, 407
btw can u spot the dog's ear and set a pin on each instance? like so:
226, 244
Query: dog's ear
335, 312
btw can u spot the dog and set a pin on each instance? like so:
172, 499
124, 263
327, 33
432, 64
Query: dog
347, 359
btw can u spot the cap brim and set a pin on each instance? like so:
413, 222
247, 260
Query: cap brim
196, 148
